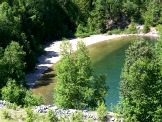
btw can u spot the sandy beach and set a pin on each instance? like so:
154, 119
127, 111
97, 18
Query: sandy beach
52, 52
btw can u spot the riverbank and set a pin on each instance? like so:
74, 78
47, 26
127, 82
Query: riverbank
39, 113
52, 52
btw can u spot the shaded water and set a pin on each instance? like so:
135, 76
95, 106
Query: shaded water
107, 58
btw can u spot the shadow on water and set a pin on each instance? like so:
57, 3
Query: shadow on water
47, 55
46, 79
51, 54
45, 86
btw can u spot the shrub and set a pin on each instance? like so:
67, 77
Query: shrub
77, 117
6, 114
101, 112
32, 100
140, 83
116, 31
19, 95
12, 64
81, 29
51, 116
13, 93
109, 33
90, 120
159, 29
77, 80
146, 28
30, 116
132, 28
12, 106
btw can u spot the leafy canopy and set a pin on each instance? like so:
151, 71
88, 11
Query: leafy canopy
141, 83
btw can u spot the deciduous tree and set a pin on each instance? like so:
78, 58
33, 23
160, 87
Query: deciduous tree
77, 86
141, 84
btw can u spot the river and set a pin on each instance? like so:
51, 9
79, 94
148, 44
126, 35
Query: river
107, 58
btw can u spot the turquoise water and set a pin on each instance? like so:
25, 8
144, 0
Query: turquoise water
108, 59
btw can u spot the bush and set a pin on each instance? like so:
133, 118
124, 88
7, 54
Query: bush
30, 116
32, 100
77, 117
77, 81
6, 114
146, 28
19, 95
109, 33
131, 28
140, 83
83, 35
153, 13
12, 106
116, 31
159, 29
51, 116
81, 29
13, 93
12, 64
101, 112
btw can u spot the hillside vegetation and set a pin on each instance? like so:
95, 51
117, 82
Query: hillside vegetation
26, 25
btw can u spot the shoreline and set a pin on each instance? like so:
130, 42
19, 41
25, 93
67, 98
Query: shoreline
52, 52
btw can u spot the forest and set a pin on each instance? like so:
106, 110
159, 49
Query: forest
27, 25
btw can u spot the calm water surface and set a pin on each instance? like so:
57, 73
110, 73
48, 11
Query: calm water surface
107, 58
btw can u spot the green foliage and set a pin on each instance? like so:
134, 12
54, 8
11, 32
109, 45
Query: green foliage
84, 6
146, 28
12, 106
51, 116
12, 64
159, 29
131, 28
20, 21
97, 19
6, 114
157, 116
77, 86
32, 100
32, 23
101, 112
30, 116
109, 33
115, 31
106, 15
77, 117
152, 15
141, 83
13, 93
81, 31
130, 8
65, 75
8, 24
